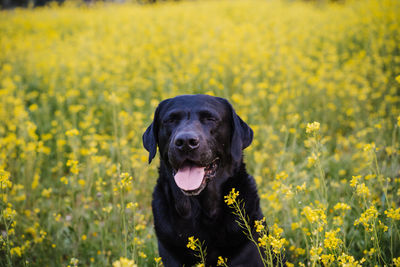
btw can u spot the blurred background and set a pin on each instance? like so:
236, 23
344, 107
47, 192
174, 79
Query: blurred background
36, 3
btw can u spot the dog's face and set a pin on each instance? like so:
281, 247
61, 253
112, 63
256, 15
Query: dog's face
200, 138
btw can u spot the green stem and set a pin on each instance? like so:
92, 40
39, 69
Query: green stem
7, 241
247, 228
202, 256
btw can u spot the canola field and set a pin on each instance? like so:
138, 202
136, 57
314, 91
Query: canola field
318, 83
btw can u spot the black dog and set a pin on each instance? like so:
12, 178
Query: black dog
200, 139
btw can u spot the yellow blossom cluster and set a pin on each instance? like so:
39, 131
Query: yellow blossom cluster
317, 82
124, 262
231, 197
367, 218
315, 216
393, 213
192, 243
331, 241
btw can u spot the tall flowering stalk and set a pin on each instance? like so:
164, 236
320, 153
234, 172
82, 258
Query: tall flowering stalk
7, 213
315, 145
266, 242
238, 209
197, 246
124, 185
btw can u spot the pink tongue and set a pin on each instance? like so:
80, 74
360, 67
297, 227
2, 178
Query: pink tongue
189, 177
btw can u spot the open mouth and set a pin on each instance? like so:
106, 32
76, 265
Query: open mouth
192, 178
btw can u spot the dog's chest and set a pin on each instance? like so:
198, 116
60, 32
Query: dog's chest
220, 230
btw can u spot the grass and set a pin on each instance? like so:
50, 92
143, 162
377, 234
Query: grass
79, 85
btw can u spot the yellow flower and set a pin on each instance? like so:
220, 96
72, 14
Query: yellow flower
259, 225
311, 160
192, 243
47, 192
341, 206
327, 259
348, 261
108, 209
73, 164
263, 241
231, 197
35, 181
72, 132
362, 190
16, 251
9, 213
81, 182
4, 179
132, 205
126, 180
393, 213
366, 217
281, 176
124, 262
396, 261
277, 244
331, 241
33, 107
300, 251
302, 187
276, 230
295, 225
312, 127
354, 180
314, 215
57, 217
142, 255
315, 252
369, 147
221, 261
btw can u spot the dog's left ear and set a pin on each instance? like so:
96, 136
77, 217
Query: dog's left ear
242, 136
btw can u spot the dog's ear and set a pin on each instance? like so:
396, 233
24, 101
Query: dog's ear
150, 141
149, 138
241, 138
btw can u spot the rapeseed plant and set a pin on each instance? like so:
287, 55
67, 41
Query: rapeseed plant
318, 85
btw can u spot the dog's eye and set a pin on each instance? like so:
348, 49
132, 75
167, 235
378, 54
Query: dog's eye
210, 119
207, 117
169, 120
173, 118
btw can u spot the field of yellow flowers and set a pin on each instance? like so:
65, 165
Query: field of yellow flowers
318, 83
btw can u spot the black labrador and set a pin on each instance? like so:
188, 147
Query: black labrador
200, 140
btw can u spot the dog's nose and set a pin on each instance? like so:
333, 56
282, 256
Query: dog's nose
187, 141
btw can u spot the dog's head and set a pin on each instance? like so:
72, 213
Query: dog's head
200, 138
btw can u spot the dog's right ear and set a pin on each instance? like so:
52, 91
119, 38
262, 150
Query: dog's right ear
150, 141
150, 136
